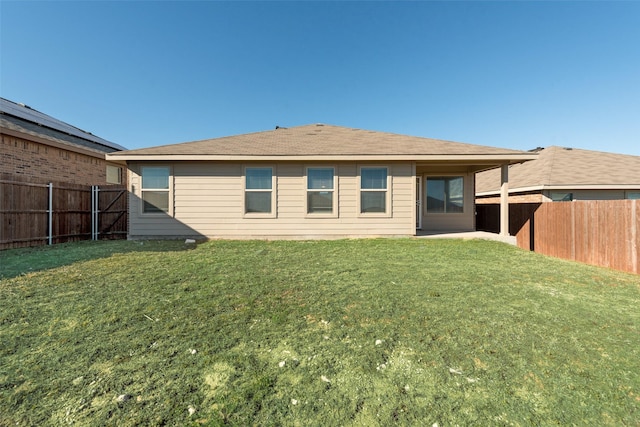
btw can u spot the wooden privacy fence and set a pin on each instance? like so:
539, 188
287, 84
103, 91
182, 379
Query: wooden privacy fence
35, 213
598, 232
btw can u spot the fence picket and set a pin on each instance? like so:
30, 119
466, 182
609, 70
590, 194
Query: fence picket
31, 215
598, 232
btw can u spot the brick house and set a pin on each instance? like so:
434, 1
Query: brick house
38, 147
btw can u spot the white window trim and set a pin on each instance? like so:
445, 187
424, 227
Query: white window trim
273, 190
335, 206
168, 190
389, 195
464, 177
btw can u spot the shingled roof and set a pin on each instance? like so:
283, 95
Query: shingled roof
317, 140
559, 167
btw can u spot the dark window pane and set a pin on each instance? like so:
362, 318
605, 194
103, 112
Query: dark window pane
445, 194
373, 178
155, 177
455, 193
320, 178
320, 202
455, 207
155, 201
258, 178
114, 174
373, 201
258, 202
435, 195
562, 197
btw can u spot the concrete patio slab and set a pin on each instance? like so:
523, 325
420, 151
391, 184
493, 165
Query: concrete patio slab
467, 235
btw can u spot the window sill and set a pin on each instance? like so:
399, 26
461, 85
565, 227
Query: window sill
321, 216
374, 215
251, 215
443, 213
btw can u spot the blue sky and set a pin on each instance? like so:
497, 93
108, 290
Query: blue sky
510, 74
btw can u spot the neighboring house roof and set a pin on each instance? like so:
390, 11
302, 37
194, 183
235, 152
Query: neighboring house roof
20, 119
322, 142
565, 168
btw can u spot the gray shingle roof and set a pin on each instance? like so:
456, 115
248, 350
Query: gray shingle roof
566, 167
318, 140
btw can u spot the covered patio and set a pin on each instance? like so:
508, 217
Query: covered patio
445, 195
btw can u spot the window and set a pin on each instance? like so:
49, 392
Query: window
155, 189
561, 197
445, 194
634, 195
114, 174
320, 190
373, 190
258, 194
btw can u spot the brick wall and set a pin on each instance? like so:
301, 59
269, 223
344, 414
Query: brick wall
34, 160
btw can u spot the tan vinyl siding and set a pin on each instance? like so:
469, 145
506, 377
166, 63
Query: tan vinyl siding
208, 202
154, 225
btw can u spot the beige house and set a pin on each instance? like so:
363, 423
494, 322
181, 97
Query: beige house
564, 174
314, 181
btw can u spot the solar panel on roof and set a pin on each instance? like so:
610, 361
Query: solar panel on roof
35, 116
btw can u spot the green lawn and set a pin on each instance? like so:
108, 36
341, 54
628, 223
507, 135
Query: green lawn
349, 332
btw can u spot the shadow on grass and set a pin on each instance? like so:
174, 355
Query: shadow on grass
15, 262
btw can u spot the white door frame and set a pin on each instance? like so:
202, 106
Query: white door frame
419, 202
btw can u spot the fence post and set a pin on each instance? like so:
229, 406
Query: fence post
94, 212
573, 231
50, 214
634, 237
93, 209
97, 212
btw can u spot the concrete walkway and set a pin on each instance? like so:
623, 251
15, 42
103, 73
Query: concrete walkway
467, 235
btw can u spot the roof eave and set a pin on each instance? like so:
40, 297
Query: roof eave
511, 190
593, 187
481, 158
563, 187
54, 142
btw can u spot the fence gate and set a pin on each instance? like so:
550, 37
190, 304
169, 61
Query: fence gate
33, 212
108, 212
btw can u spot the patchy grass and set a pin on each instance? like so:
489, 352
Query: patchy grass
350, 332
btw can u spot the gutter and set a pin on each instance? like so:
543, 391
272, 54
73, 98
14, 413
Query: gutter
563, 187
491, 159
